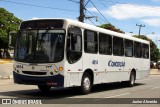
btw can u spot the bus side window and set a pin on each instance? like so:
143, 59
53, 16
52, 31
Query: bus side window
118, 47
137, 50
105, 44
74, 44
90, 41
128, 48
145, 51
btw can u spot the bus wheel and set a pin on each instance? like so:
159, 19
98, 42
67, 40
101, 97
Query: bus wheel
86, 84
44, 88
131, 81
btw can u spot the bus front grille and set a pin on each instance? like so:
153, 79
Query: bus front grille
34, 73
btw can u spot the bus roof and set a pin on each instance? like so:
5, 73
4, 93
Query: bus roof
94, 28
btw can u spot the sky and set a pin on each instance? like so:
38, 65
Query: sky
123, 14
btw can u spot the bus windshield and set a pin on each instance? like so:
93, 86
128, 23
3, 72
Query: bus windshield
40, 46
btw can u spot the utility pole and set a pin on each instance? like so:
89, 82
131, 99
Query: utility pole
140, 28
81, 16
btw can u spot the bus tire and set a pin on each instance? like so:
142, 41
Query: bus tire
86, 84
131, 81
44, 88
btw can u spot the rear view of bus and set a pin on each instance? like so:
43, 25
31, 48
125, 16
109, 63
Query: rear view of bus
39, 54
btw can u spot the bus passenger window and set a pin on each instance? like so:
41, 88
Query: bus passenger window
128, 48
105, 44
137, 50
90, 41
118, 48
145, 51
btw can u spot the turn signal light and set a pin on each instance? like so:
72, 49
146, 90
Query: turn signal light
60, 68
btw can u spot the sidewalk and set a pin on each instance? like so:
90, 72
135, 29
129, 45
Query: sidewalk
6, 82
154, 72
6, 68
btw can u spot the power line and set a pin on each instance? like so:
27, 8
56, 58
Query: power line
102, 15
137, 5
104, 2
73, 1
91, 21
99, 11
94, 15
87, 3
120, 9
82, 7
37, 6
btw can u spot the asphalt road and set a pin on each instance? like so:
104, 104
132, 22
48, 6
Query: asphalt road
145, 88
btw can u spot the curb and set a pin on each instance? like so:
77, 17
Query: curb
6, 77
5, 82
154, 74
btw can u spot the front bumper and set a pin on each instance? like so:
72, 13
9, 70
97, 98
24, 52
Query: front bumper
55, 81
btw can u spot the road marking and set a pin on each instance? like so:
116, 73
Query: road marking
155, 87
117, 95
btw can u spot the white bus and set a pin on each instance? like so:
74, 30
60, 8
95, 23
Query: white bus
67, 53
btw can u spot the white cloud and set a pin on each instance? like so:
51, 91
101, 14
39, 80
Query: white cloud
152, 22
92, 9
148, 14
128, 11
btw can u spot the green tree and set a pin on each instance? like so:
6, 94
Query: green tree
154, 51
8, 22
110, 27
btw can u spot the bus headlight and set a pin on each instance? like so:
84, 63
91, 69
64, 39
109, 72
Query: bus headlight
55, 70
